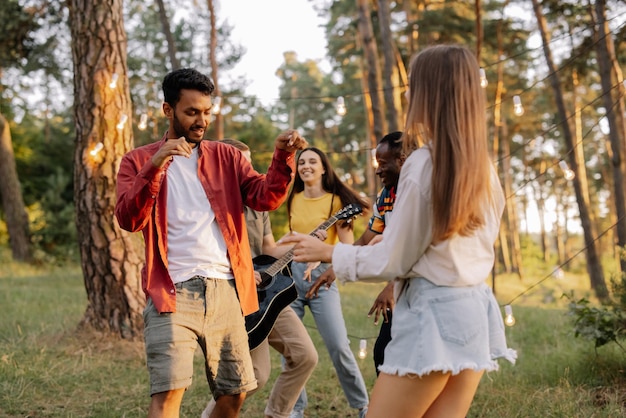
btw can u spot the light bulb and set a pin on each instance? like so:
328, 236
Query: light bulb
509, 319
362, 349
96, 149
518, 109
122, 122
483, 78
568, 173
374, 160
217, 105
113, 82
143, 122
341, 106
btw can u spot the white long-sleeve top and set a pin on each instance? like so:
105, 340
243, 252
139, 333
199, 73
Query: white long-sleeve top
406, 249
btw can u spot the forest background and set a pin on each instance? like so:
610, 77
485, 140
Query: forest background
553, 80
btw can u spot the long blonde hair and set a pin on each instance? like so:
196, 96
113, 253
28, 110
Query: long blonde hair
447, 113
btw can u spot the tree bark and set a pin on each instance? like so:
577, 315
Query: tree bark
15, 214
372, 80
391, 79
606, 55
218, 120
509, 235
479, 28
370, 175
171, 45
540, 198
594, 266
373, 73
110, 258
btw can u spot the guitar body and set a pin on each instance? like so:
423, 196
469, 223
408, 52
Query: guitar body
277, 289
275, 294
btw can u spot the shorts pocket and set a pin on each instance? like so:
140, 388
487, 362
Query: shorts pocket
459, 317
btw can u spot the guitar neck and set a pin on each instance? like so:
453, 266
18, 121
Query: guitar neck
280, 264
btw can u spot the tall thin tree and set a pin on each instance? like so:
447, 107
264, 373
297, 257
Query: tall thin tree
15, 214
614, 105
373, 76
171, 44
594, 266
218, 122
391, 80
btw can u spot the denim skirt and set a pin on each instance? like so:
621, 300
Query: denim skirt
445, 329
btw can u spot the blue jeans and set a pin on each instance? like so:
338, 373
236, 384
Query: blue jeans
326, 310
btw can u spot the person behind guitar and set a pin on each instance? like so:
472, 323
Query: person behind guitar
390, 158
288, 336
317, 192
187, 195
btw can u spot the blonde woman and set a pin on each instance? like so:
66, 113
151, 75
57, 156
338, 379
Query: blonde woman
447, 329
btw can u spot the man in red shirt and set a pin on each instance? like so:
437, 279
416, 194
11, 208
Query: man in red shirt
187, 196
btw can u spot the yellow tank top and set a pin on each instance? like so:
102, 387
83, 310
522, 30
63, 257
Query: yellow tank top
307, 214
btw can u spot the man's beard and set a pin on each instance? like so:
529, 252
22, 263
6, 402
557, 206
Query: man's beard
179, 130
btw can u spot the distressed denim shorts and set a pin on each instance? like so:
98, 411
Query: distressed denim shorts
207, 314
445, 329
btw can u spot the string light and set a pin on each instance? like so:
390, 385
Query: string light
518, 109
483, 78
122, 122
113, 83
143, 122
217, 105
362, 348
509, 319
96, 149
341, 106
568, 173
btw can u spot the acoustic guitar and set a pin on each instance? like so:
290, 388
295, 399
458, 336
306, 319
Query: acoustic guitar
277, 289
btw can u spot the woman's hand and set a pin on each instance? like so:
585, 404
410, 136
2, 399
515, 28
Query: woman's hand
326, 279
308, 248
312, 265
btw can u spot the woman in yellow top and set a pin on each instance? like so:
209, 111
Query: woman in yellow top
317, 194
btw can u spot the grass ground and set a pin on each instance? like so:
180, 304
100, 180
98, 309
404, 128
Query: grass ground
49, 369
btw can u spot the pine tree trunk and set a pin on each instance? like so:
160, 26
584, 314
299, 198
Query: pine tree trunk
606, 55
391, 90
12, 202
594, 266
372, 85
511, 208
373, 73
218, 119
167, 31
111, 258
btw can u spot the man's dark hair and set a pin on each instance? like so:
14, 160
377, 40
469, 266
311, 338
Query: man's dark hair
185, 78
393, 141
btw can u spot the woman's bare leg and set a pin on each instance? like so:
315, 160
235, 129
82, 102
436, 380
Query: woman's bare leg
456, 398
436, 395
405, 396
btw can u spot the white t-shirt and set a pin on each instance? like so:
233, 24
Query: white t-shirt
195, 244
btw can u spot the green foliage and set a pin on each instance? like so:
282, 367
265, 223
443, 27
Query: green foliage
44, 152
600, 324
16, 36
605, 323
